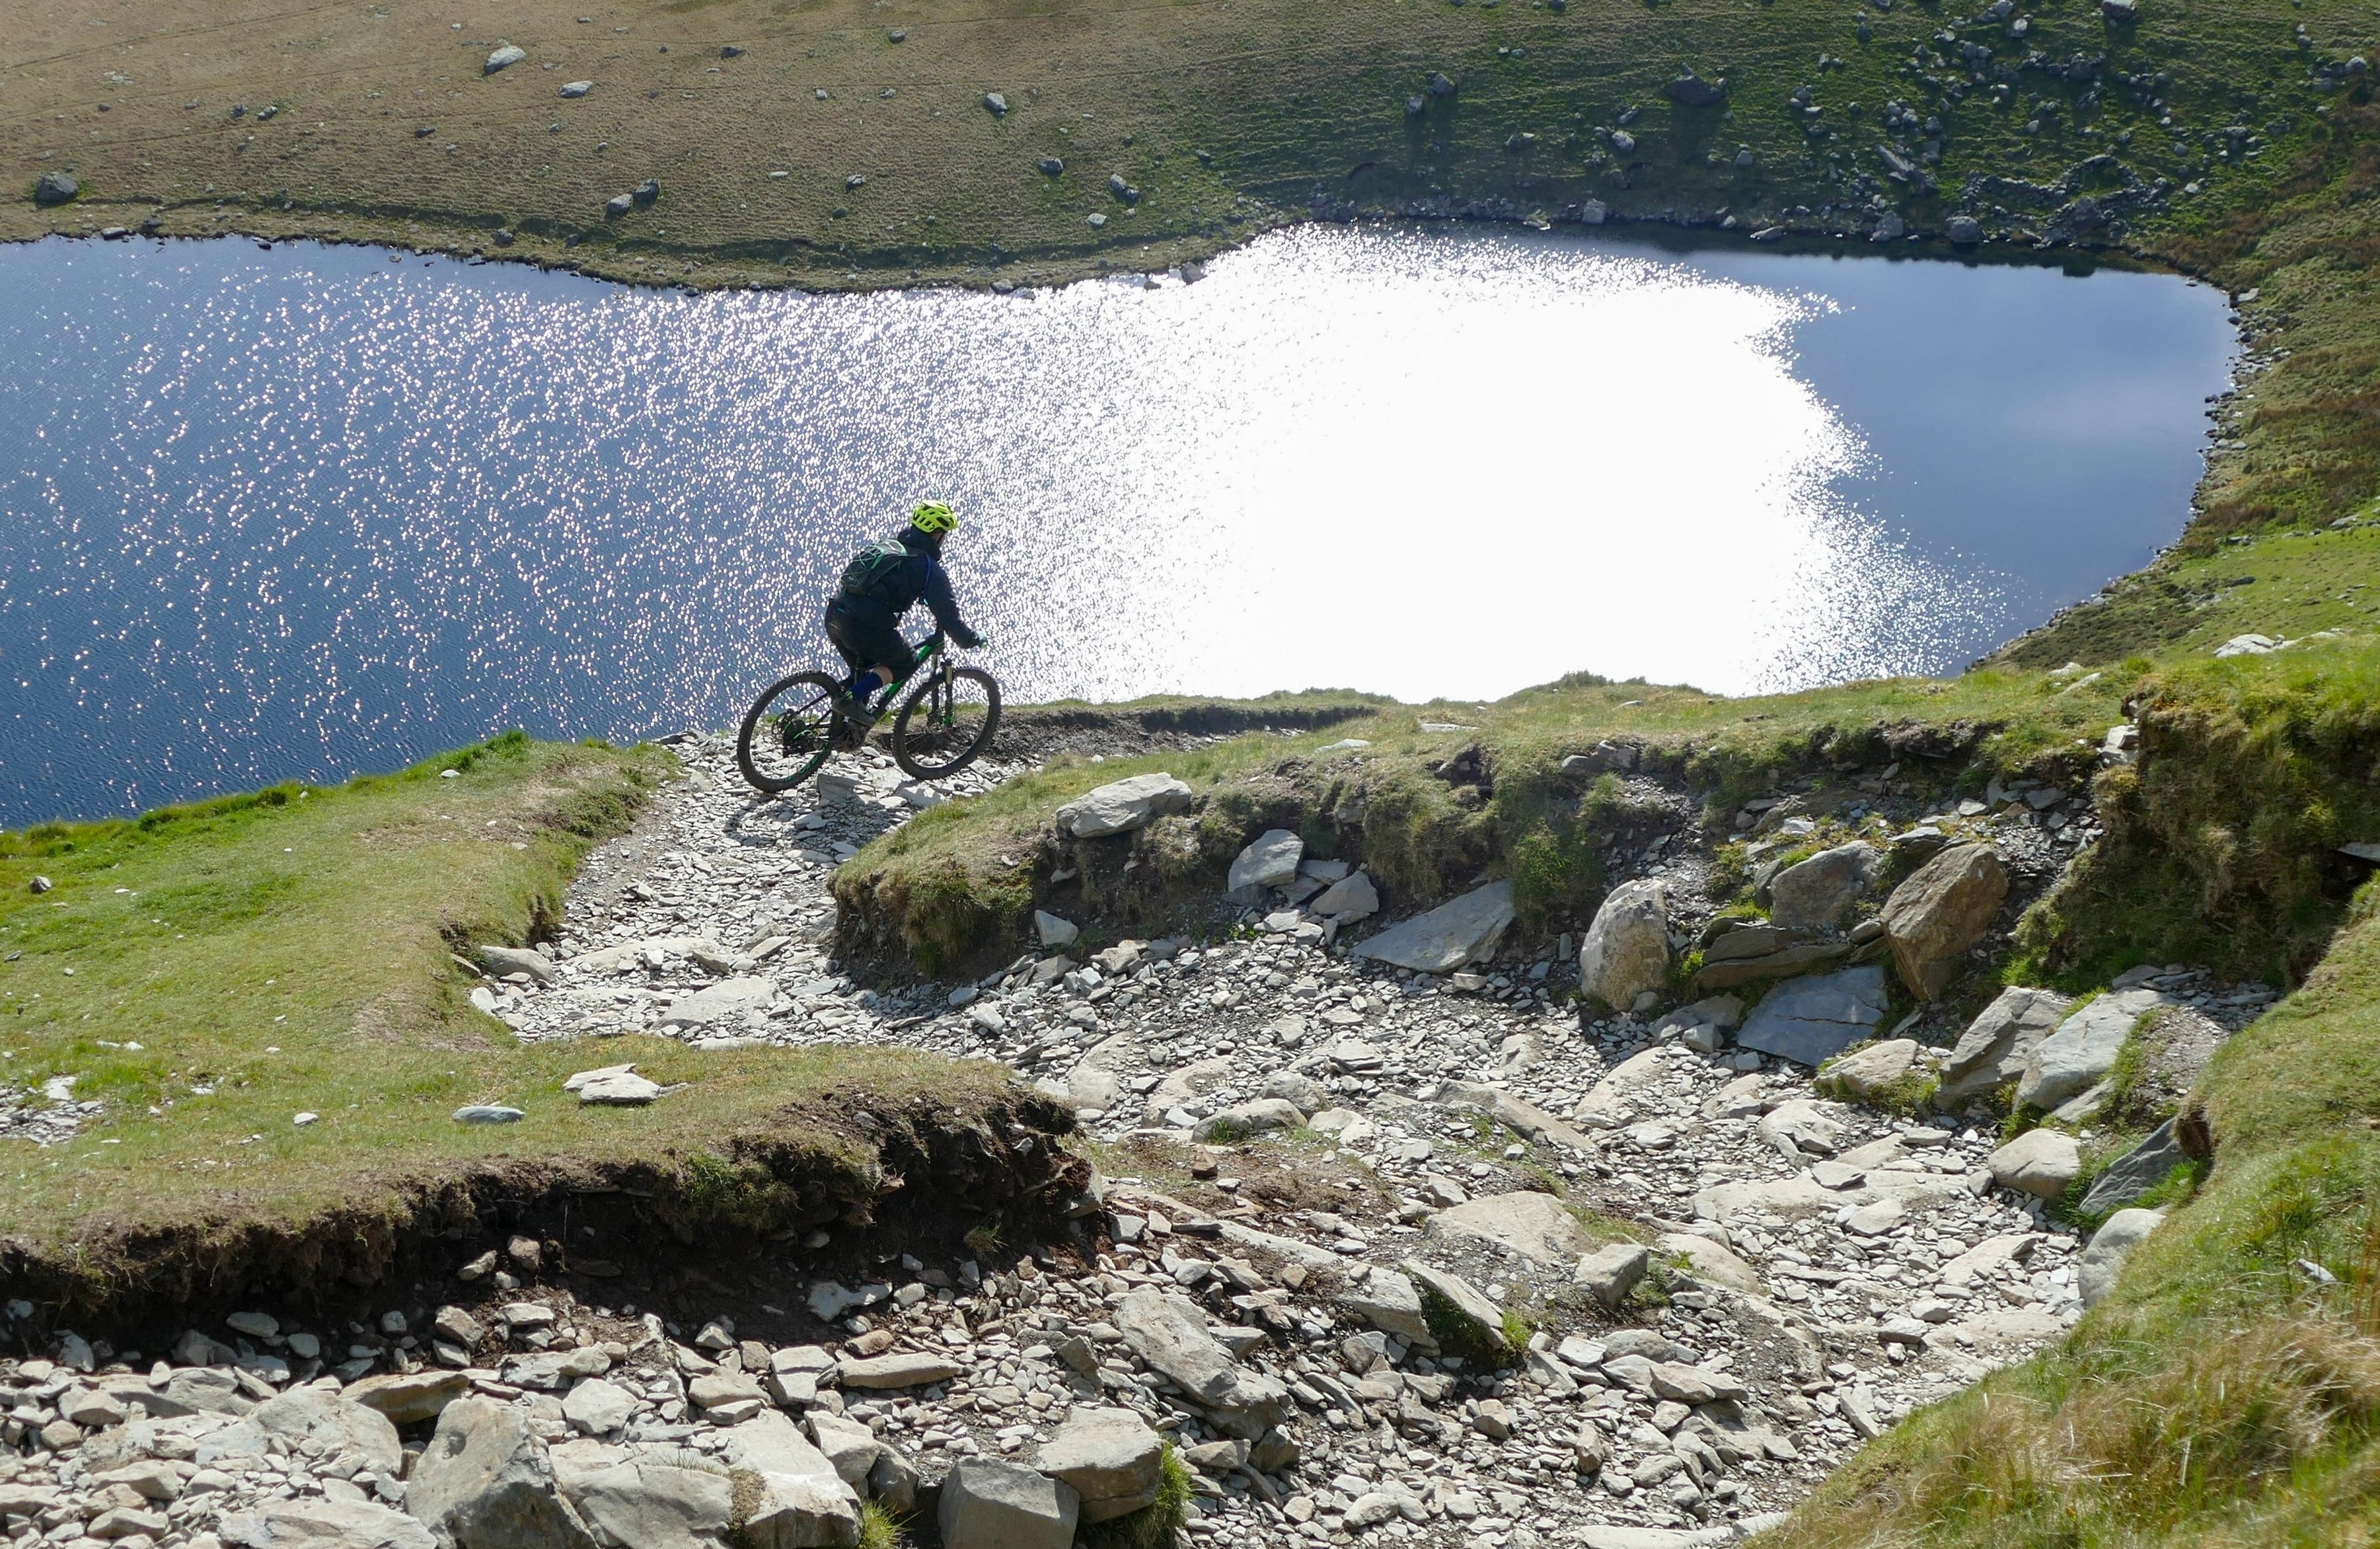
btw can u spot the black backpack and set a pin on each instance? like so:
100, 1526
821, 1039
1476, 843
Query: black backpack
871, 568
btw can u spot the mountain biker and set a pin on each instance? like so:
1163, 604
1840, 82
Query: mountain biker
883, 581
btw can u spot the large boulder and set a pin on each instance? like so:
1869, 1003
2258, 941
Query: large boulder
1519, 1115
1943, 909
304, 1524
1261, 1116
1270, 862
1627, 947
991, 1504
1711, 1263
1351, 899
1756, 950
770, 1442
2083, 1049
1169, 1334
850, 1448
2042, 1163
1110, 1457
1476, 1312
1814, 1019
1466, 930
484, 1482
1997, 1045
1814, 895
1124, 805
2110, 1246
1610, 1272
500, 959
597, 1408
1534, 1226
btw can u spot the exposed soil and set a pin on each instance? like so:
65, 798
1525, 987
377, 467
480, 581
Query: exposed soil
912, 1177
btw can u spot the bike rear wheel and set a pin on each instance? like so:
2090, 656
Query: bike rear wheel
944, 726
789, 732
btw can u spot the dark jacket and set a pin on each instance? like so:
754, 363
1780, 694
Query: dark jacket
895, 587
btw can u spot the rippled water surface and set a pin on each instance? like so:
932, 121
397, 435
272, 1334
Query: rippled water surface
305, 511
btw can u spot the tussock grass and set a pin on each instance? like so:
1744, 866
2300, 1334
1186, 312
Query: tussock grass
1158, 1525
2266, 1432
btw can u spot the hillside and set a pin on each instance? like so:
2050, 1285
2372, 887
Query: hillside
2225, 1390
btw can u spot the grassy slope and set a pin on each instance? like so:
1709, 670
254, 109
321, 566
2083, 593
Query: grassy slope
2300, 450
1223, 112
291, 952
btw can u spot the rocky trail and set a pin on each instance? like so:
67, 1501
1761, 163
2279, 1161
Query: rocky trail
1390, 1243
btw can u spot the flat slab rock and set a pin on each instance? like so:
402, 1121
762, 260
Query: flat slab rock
1812, 1020
1448, 937
323, 1525
614, 1085
1121, 806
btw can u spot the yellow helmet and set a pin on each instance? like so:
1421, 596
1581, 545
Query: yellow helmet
934, 516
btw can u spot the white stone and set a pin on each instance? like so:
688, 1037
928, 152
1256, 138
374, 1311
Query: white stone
2085, 1047
2040, 1162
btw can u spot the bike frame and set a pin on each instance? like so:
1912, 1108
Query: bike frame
933, 653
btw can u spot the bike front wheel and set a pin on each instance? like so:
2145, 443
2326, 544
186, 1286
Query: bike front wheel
789, 732
946, 723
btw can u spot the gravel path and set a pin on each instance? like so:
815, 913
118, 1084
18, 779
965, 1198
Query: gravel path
1728, 1282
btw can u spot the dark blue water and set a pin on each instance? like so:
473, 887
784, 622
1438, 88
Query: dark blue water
308, 511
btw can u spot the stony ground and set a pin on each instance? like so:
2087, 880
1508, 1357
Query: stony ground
1331, 1189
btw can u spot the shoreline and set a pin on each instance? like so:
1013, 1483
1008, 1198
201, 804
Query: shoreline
1669, 234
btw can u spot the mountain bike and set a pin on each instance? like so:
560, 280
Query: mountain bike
799, 722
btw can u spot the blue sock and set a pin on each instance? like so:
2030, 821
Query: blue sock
866, 684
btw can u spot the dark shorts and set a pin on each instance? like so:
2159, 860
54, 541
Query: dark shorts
867, 637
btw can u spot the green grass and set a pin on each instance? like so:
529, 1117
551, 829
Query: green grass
878, 1528
210, 972
2220, 844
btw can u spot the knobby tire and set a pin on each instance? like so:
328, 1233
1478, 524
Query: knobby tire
926, 749
788, 733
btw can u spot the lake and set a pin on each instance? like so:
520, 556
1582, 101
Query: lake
305, 511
